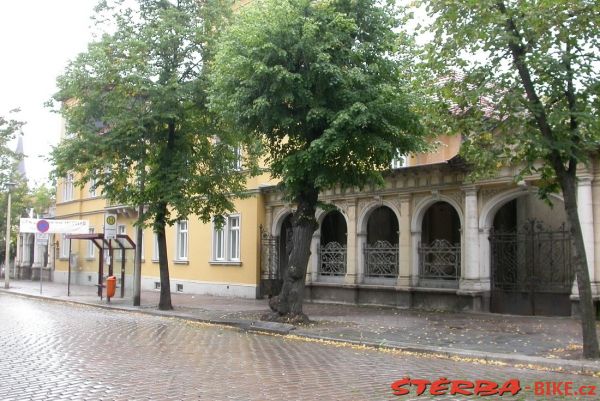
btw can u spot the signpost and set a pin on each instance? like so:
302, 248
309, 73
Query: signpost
110, 226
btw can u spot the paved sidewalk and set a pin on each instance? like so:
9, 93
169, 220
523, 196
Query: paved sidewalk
546, 342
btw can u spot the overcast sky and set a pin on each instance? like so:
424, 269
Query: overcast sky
37, 38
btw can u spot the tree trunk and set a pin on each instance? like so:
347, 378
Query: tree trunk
586, 304
163, 261
289, 306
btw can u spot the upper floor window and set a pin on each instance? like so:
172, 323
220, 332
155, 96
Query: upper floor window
92, 189
68, 189
398, 161
226, 241
237, 162
182, 240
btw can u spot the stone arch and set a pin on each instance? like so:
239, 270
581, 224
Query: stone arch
278, 220
422, 207
365, 213
491, 207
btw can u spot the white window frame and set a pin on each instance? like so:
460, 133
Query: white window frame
182, 239
121, 229
69, 188
91, 246
92, 189
155, 254
222, 240
64, 247
398, 161
237, 163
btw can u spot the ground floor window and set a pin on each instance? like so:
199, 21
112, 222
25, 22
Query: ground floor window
226, 240
182, 240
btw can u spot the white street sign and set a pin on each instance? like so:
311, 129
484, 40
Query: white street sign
110, 226
54, 226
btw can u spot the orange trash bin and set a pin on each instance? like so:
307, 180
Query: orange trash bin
111, 286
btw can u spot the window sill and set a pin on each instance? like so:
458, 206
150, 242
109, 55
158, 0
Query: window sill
155, 261
63, 258
181, 262
224, 263
89, 259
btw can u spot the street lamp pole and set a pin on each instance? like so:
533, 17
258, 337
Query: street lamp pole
9, 186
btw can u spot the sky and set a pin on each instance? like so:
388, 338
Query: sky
37, 39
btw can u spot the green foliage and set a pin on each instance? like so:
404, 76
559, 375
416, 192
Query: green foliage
475, 87
134, 105
322, 83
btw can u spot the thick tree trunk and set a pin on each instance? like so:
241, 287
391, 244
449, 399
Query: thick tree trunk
163, 261
586, 304
288, 306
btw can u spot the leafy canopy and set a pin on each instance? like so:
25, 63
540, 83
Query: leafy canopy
323, 84
134, 105
478, 89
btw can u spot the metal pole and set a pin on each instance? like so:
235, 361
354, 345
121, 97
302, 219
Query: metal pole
7, 249
137, 266
69, 278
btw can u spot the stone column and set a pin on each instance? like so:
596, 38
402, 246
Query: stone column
19, 252
312, 273
351, 246
596, 225
484, 258
471, 276
585, 209
404, 257
361, 240
37, 263
414, 257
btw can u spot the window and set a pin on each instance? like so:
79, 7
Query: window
64, 247
92, 190
398, 161
226, 241
237, 154
118, 252
155, 248
68, 188
182, 240
91, 246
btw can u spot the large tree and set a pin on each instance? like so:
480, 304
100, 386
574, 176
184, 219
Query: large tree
322, 83
134, 105
519, 79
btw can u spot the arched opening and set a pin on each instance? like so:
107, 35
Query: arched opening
530, 259
439, 250
332, 247
381, 249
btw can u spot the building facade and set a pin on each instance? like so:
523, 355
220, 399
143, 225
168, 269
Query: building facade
428, 238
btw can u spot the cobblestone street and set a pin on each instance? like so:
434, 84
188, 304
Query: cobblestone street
58, 351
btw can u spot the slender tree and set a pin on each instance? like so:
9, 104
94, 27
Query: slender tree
134, 105
321, 83
519, 80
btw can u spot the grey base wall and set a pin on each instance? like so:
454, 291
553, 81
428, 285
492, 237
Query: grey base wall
419, 298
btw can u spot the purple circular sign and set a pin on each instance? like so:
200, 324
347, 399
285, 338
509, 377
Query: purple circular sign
43, 226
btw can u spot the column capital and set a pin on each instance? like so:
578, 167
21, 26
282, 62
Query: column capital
470, 190
584, 180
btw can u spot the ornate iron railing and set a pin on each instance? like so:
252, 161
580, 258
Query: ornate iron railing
381, 259
533, 258
439, 260
269, 255
332, 259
